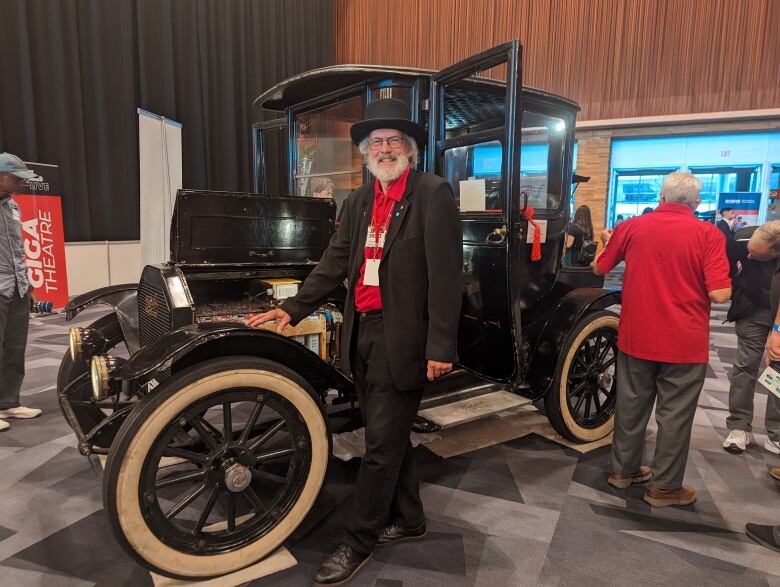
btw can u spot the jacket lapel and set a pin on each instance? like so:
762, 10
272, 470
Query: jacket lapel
363, 221
399, 213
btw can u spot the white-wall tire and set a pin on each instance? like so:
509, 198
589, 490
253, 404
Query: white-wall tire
566, 418
122, 482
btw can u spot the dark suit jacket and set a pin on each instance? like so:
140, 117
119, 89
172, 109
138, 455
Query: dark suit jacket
751, 287
724, 227
419, 276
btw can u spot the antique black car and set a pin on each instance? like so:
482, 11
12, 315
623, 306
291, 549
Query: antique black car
217, 434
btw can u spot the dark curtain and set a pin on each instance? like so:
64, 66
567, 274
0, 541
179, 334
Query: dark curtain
74, 71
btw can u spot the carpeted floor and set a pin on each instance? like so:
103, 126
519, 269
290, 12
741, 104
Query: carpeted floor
526, 512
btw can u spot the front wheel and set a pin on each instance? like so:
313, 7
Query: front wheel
214, 469
581, 403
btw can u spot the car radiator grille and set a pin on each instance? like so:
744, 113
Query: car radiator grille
154, 315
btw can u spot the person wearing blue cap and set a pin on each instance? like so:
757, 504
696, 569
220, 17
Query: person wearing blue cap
15, 290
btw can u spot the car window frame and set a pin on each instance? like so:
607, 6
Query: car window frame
355, 90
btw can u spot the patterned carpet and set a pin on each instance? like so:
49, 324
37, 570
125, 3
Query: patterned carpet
527, 512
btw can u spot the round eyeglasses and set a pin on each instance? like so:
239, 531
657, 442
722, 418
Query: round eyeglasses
392, 142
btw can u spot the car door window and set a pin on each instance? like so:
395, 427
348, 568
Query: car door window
327, 163
468, 167
541, 160
475, 167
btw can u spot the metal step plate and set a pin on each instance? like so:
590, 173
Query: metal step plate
473, 408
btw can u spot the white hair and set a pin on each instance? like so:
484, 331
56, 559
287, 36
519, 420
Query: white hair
769, 233
413, 151
682, 188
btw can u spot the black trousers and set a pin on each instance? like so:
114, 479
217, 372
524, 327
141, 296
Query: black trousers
14, 319
387, 488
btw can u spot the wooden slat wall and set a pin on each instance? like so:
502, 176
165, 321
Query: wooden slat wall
617, 58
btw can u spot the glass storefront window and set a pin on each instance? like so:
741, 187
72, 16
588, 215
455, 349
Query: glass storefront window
636, 190
774, 178
715, 180
773, 201
327, 163
733, 163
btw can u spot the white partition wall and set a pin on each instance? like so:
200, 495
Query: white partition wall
87, 264
98, 264
159, 154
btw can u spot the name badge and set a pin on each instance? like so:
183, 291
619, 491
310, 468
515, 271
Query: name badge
771, 380
372, 241
371, 276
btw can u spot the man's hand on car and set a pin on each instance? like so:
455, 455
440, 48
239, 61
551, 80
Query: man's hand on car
256, 320
437, 369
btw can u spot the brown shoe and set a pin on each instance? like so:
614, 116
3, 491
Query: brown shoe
775, 473
622, 480
662, 498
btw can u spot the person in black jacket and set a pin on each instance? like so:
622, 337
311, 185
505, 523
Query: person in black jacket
398, 244
724, 224
750, 310
764, 245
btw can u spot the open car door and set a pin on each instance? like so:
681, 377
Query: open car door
474, 139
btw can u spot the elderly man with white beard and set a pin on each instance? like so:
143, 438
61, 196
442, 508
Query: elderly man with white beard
399, 247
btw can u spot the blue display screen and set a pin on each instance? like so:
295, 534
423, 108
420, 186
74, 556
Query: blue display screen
486, 160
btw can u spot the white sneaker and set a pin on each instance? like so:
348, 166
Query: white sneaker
772, 446
737, 441
4, 425
20, 412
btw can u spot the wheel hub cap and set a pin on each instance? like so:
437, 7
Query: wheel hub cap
237, 477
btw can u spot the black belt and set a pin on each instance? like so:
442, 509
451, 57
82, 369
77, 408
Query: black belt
370, 315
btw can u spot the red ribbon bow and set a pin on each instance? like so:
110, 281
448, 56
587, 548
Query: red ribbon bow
536, 248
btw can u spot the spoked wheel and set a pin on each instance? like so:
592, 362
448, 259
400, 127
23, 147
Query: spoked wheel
215, 468
581, 404
87, 414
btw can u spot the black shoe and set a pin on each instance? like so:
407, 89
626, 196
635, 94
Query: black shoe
393, 533
342, 564
764, 535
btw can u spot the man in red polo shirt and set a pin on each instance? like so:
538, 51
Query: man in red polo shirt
675, 266
399, 247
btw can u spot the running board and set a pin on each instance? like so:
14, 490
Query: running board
472, 408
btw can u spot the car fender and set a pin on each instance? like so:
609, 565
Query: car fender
199, 342
122, 298
548, 336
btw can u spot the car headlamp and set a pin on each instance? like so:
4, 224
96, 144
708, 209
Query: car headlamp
85, 342
104, 373
74, 343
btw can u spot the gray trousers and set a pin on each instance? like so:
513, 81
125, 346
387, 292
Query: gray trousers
676, 387
14, 318
752, 331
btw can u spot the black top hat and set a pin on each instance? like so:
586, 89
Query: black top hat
388, 113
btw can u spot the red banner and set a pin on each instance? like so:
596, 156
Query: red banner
43, 236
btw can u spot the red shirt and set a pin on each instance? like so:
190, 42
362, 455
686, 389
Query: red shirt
672, 261
367, 297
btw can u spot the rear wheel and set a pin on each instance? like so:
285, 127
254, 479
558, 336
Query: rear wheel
581, 403
216, 467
